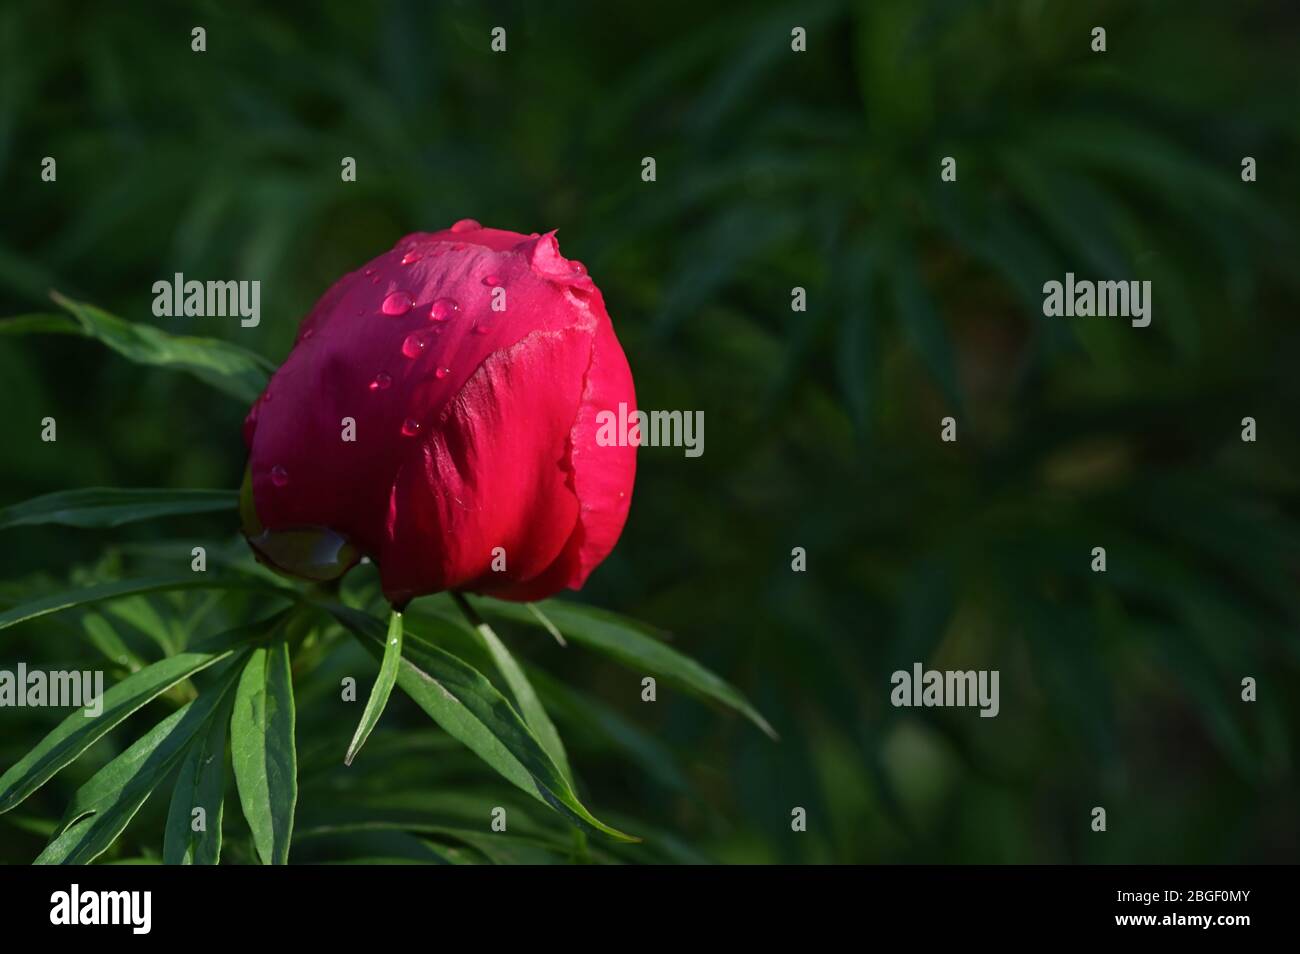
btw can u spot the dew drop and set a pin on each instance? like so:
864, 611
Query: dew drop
410, 427
578, 267
480, 328
381, 382
396, 303
412, 257
414, 346
279, 476
316, 553
492, 281
466, 225
443, 309
442, 372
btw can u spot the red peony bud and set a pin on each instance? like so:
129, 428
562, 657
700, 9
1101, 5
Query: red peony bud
473, 362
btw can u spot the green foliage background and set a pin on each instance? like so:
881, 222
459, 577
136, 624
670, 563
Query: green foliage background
775, 169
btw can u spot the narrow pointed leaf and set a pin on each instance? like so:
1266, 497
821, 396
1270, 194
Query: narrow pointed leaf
40, 323
229, 368
105, 805
461, 700
78, 732
382, 688
530, 707
632, 644
112, 507
263, 752
107, 591
200, 784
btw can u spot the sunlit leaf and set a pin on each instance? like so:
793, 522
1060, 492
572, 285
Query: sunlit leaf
229, 368
468, 707
263, 751
530, 707
78, 732
200, 784
103, 807
382, 688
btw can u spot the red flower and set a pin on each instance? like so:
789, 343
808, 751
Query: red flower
473, 363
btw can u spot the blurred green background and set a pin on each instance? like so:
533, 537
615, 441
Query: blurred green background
775, 169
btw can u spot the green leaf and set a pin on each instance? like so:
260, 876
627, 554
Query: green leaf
921, 322
461, 700
43, 324
201, 783
632, 644
423, 811
601, 725
382, 688
105, 805
857, 358
139, 613
530, 707
78, 732
227, 367
107, 591
546, 623
112, 507
104, 638
263, 752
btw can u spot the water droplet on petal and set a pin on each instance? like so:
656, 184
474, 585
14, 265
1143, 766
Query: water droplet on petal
466, 225
396, 303
492, 281
308, 333
368, 272
279, 476
578, 267
443, 309
374, 279
411, 257
250, 425
414, 346
480, 328
381, 382
442, 372
410, 427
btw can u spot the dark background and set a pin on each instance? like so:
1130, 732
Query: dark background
775, 169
